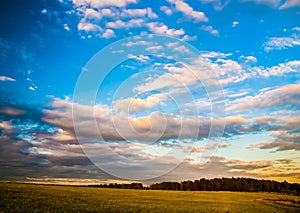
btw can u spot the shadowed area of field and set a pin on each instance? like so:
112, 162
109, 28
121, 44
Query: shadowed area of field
46, 198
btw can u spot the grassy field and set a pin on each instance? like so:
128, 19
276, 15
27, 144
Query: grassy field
45, 198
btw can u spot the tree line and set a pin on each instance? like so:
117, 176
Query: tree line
216, 184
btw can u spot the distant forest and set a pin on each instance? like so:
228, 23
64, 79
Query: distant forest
216, 184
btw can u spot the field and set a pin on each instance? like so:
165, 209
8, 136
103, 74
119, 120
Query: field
45, 198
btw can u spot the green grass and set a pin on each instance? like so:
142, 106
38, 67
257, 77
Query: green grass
45, 198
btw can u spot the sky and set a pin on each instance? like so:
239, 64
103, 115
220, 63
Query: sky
103, 90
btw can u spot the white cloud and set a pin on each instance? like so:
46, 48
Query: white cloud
237, 94
289, 4
235, 23
285, 95
103, 3
279, 43
160, 28
188, 11
248, 59
166, 10
279, 70
128, 24
138, 43
228, 71
5, 78
296, 28
271, 3
139, 13
141, 58
108, 34
44, 11
134, 105
217, 4
90, 13
154, 48
151, 14
66, 27
215, 55
32, 88
88, 27
189, 38
108, 12
210, 29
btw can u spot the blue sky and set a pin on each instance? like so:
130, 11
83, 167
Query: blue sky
228, 69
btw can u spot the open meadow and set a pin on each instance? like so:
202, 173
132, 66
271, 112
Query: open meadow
47, 198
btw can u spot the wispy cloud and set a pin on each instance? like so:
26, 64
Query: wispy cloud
290, 3
277, 145
104, 3
160, 28
5, 78
210, 29
279, 43
188, 11
281, 96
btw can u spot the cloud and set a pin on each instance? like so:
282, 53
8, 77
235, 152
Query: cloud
271, 3
285, 161
237, 94
141, 58
88, 27
108, 34
188, 11
160, 28
170, 79
99, 20
248, 59
229, 71
235, 119
134, 105
217, 4
32, 88
66, 27
279, 70
235, 23
56, 152
219, 166
166, 10
11, 111
296, 28
252, 165
154, 48
103, 3
289, 4
5, 78
213, 54
281, 96
155, 125
189, 38
90, 13
288, 136
210, 29
7, 127
277, 146
128, 24
280, 43
139, 13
